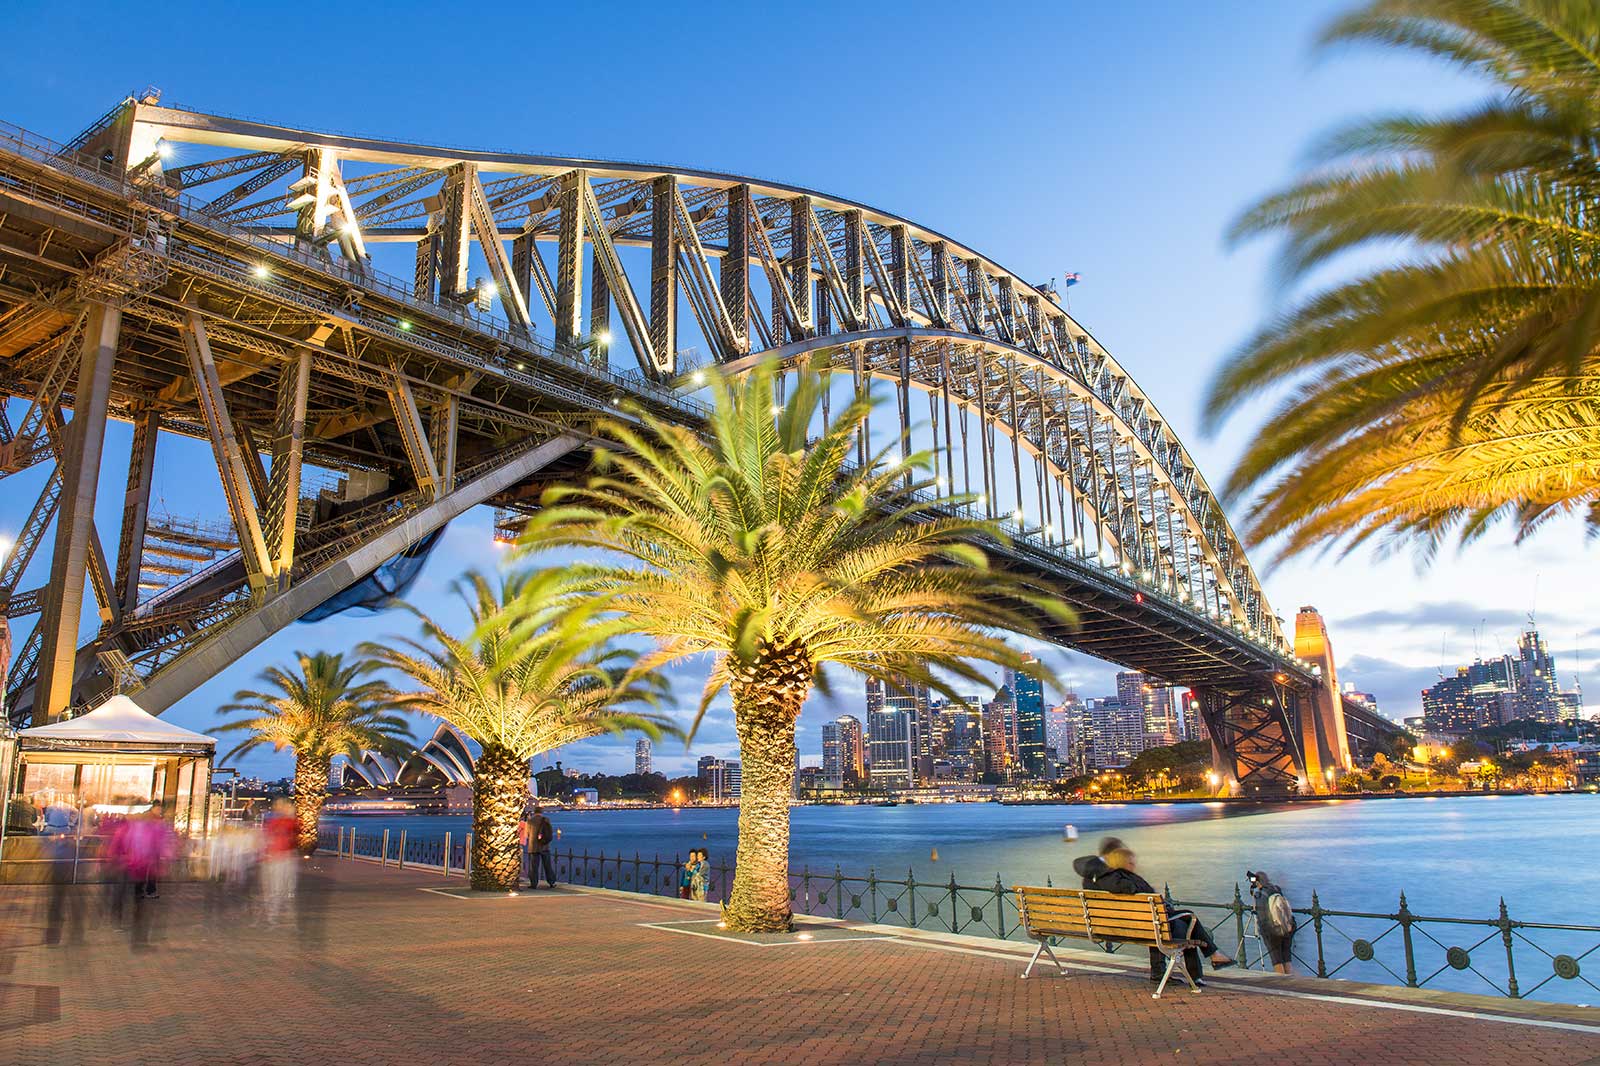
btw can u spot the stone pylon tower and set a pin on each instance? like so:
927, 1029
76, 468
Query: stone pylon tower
1322, 732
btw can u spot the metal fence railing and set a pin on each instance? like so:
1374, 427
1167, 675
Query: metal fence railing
1495, 955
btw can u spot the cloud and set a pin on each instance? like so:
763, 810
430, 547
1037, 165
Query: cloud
1448, 614
1397, 686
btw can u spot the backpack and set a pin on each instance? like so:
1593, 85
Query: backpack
545, 832
1277, 917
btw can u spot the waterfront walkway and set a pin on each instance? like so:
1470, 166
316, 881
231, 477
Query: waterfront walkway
379, 970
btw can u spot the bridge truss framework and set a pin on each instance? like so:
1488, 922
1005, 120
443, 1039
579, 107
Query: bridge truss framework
214, 279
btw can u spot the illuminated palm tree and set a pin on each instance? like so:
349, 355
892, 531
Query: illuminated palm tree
319, 709
770, 554
520, 692
1460, 386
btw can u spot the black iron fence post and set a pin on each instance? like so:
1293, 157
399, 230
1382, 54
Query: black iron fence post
1316, 923
1505, 925
911, 890
953, 902
838, 891
805, 889
999, 906
1405, 919
872, 890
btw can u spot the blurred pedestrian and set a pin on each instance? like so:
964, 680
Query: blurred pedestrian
143, 847
65, 906
280, 860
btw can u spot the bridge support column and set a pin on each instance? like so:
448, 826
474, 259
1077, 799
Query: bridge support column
1254, 738
69, 563
136, 508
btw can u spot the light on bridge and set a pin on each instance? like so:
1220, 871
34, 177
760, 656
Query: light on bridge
698, 377
262, 271
1017, 514
405, 325
604, 337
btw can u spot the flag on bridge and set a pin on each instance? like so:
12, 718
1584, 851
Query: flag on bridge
1071, 279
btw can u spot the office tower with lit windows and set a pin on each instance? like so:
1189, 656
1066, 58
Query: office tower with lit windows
642, 763
1028, 696
891, 745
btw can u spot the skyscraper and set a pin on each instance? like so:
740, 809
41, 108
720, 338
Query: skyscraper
892, 747
999, 741
1118, 733
1028, 695
1538, 695
832, 767
1063, 726
852, 750
1194, 725
641, 756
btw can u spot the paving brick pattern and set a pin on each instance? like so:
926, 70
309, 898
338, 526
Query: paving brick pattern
378, 972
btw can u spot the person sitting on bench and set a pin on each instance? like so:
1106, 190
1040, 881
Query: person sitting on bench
1113, 870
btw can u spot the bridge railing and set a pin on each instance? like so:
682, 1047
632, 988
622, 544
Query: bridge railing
1493, 954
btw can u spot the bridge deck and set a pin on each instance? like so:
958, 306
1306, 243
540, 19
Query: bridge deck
384, 972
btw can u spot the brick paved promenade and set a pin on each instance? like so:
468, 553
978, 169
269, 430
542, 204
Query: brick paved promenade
378, 971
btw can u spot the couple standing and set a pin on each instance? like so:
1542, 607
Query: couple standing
534, 833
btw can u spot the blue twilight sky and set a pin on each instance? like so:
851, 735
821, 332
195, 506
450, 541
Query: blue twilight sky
1117, 140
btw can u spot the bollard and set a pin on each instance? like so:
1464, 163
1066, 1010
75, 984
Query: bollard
447, 853
467, 867
402, 849
338, 848
383, 859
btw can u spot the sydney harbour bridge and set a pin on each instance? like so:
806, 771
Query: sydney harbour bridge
235, 283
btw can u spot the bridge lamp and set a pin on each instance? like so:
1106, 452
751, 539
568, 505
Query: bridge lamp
698, 377
405, 325
1017, 514
261, 272
604, 337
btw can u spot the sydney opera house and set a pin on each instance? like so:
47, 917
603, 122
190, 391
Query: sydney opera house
435, 777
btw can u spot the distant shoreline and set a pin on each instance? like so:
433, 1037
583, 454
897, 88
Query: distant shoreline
1142, 801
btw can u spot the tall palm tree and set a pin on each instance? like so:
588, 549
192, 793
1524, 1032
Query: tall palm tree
320, 708
770, 554
1460, 385
519, 692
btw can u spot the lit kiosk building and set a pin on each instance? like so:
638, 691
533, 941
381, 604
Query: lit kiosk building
76, 776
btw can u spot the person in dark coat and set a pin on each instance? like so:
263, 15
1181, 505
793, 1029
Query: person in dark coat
540, 834
1113, 870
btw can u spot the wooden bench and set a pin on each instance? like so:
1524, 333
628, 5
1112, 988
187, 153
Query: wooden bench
1105, 918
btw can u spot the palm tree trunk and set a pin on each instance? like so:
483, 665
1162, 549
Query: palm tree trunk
310, 792
766, 705
499, 796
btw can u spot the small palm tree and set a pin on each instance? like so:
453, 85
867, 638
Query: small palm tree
773, 556
1461, 385
520, 692
319, 708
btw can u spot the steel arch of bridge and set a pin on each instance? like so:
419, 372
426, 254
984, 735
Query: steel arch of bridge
864, 270
252, 298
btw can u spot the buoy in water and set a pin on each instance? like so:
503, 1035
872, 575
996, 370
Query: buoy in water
1069, 832
935, 856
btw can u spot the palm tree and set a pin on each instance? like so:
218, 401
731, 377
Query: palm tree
771, 555
520, 692
320, 708
1458, 386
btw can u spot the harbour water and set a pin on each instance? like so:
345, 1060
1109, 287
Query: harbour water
1451, 856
